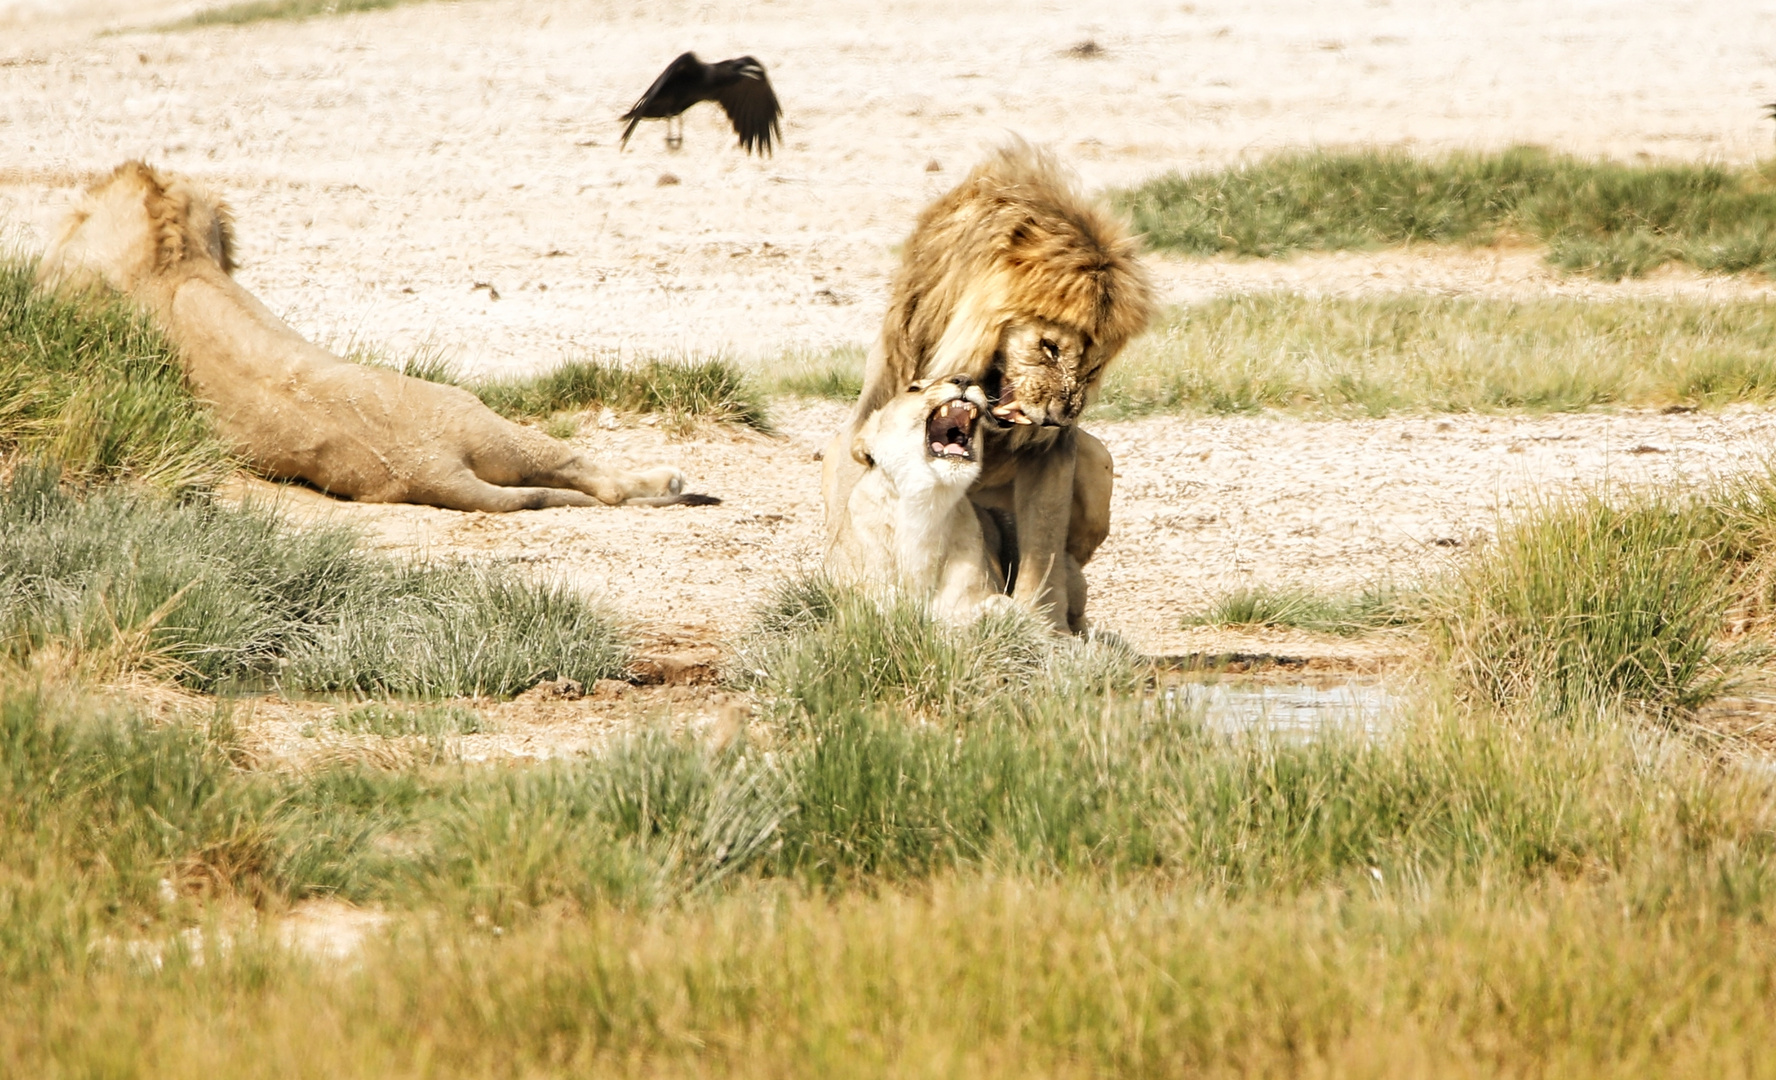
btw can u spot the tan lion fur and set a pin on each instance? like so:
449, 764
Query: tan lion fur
293, 410
1017, 281
909, 526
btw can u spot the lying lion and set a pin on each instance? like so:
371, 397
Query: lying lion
1013, 279
296, 411
908, 524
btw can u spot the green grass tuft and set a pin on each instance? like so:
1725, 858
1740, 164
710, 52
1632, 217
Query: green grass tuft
87, 382
836, 374
1585, 604
390, 719
818, 647
124, 581
709, 389
1580, 605
1597, 217
1307, 609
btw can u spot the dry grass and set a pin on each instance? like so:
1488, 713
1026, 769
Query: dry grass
1381, 355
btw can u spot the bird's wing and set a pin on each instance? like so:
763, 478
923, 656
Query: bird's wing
669, 81
752, 107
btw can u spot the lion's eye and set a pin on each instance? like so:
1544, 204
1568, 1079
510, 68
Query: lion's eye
915, 388
1050, 349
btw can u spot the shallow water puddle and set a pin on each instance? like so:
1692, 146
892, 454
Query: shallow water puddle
1235, 705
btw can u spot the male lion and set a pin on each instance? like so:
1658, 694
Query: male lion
296, 411
1014, 280
908, 523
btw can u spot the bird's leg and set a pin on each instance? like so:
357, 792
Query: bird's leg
675, 137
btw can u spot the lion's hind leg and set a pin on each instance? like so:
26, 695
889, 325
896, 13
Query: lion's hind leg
660, 485
470, 492
657, 486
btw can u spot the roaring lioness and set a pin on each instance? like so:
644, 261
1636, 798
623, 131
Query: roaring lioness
1015, 280
293, 410
909, 524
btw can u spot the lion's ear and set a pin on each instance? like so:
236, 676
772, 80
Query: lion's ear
860, 453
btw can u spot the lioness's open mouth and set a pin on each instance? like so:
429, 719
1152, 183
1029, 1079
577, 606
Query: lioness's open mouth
950, 429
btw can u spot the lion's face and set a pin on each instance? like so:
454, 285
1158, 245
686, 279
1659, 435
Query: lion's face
927, 434
1043, 373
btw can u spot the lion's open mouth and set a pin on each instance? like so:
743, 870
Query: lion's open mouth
1002, 399
950, 430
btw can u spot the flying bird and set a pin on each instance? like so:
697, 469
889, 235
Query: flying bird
738, 86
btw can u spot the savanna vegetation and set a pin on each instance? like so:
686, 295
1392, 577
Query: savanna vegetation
1377, 356
1597, 217
1034, 862
1380, 355
927, 850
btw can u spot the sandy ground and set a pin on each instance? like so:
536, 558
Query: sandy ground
1201, 506
382, 165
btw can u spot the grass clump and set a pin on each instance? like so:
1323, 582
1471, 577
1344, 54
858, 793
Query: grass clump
252, 11
119, 580
1307, 609
817, 647
1381, 355
1598, 217
130, 819
836, 374
87, 382
1596, 602
1579, 605
389, 719
708, 389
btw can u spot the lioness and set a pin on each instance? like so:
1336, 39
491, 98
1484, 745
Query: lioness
1013, 279
908, 522
292, 409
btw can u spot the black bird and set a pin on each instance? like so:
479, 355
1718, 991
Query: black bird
739, 86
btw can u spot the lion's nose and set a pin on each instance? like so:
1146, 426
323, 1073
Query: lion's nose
961, 380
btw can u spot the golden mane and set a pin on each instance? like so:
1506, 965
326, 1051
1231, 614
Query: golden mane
186, 220
1014, 240
136, 222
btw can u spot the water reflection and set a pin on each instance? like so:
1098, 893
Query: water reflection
1235, 706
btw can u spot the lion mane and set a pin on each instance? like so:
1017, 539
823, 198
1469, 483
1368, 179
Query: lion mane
1015, 241
1016, 281
169, 220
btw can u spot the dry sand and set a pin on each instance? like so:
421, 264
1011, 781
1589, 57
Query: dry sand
382, 165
